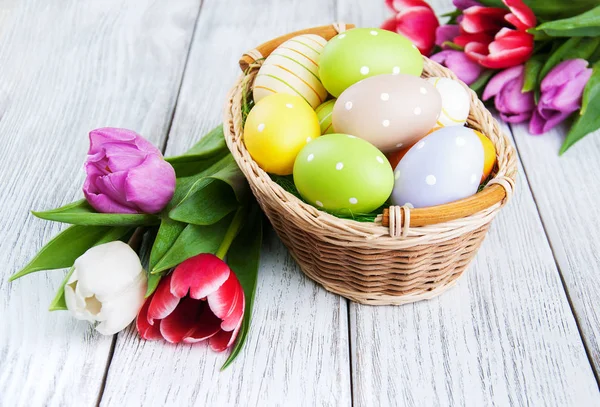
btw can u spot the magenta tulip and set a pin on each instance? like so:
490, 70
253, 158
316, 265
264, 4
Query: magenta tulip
464, 4
466, 70
126, 173
446, 33
201, 299
513, 105
562, 90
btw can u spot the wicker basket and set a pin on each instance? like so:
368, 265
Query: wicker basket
406, 255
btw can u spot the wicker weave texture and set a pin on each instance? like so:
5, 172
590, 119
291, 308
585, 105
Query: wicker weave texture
367, 262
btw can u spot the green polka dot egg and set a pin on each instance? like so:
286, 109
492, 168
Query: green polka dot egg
363, 52
343, 174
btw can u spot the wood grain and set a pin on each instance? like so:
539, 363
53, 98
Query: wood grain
505, 335
297, 352
567, 191
66, 68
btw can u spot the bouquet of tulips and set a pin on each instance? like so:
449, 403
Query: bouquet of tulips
538, 60
192, 212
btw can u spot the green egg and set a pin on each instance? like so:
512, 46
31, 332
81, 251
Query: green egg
363, 52
343, 174
324, 111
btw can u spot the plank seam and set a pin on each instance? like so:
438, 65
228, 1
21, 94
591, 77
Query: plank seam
350, 361
556, 263
109, 359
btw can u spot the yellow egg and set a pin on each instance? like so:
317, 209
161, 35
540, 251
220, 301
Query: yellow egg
277, 128
293, 68
489, 155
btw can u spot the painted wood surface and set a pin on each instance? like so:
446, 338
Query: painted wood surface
566, 191
297, 352
505, 335
66, 68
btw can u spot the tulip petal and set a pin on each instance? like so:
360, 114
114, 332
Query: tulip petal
224, 339
163, 300
463, 39
515, 118
151, 185
389, 24
467, 71
419, 24
145, 330
112, 186
564, 72
201, 275
499, 80
236, 315
182, 322
465, 4
479, 19
120, 310
102, 136
223, 300
207, 325
521, 16
540, 125
446, 33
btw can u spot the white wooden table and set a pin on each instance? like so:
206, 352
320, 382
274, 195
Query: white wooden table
522, 327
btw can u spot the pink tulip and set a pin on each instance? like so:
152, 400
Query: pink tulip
562, 90
513, 105
201, 299
446, 33
416, 20
126, 173
466, 70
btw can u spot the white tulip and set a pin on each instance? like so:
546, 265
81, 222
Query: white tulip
107, 286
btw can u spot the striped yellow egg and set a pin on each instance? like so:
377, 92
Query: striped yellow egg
324, 112
293, 68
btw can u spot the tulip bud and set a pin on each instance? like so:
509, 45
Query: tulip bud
126, 173
107, 286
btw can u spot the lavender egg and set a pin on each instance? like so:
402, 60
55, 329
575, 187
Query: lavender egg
444, 166
389, 111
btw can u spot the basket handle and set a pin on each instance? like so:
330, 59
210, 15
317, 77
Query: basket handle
264, 50
496, 191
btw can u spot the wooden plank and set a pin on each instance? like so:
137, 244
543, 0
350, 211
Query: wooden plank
567, 192
66, 69
297, 351
505, 335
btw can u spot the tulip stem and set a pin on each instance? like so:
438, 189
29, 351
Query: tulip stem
232, 231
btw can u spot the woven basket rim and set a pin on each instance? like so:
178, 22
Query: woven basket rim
504, 174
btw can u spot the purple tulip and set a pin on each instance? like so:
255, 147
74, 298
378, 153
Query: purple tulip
466, 70
446, 33
464, 4
126, 173
562, 90
513, 105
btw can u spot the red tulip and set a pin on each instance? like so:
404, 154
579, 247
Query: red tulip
202, 299
416, 20
496, 38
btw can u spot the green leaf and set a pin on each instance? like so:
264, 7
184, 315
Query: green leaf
153, 280
207, 206
59, 303
483, 79
167, 234
551, 9
453, 46
193, 240
588, 120
573, 48
64, 248
210, 149
583, 25
532, 72
81, 213
243, 258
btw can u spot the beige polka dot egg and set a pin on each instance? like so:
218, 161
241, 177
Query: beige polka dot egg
293, 68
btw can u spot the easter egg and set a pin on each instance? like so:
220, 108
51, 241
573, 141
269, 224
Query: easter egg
343, 174
293, 68
489, 155
455, 102
324, 114
277, 128
360, 53
389, 111
444, 166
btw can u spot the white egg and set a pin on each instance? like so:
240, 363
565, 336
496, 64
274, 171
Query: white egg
455, 102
